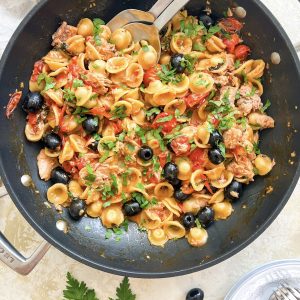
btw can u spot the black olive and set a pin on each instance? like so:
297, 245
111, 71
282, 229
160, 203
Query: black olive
52, 140
215, 156
145, 153
188, 220
180, 195
206, 20
33, 102
234, 190
195, 294
215, 138
59, 175
176, 183
77, 208
177, 62
206, 216
91, 124
94, 145
170, 171
131, 208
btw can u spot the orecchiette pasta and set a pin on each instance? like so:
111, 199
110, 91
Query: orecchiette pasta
133, 139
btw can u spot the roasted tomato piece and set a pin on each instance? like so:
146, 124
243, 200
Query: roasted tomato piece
166, 121
241, 52
151, 74
230, 25
12, 103
181, 145
192, 100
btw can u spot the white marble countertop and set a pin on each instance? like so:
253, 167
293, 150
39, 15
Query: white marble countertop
279, 241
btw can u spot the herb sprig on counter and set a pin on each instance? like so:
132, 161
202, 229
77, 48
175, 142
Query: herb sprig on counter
76, 290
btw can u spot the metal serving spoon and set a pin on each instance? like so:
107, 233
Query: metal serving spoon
150, 33
133, 15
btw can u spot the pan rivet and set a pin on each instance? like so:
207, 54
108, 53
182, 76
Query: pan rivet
275, 58
61, 225
240, 12
26, 180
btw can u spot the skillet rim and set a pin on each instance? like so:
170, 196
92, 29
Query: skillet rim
136, 274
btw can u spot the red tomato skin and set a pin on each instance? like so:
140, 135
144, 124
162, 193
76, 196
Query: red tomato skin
199, 158
152, 176
167, 126
195, 99
230, 25
117, 126
37, 70
162, 157
151, 75
181, 145
13, 103
241, 52
232, 43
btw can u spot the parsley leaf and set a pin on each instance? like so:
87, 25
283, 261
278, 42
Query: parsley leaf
198, 223
77, 83
164, 119
191, 29
152, 111
97, 30
104, 156
124, 291
189, 63
256, 149
169, 75
237, 63
266, 106
156, 164
119, 113
141, 133
211, 31
222, 148
76, 290
140, 198
50, 83
69, 95
90, 178
199, 47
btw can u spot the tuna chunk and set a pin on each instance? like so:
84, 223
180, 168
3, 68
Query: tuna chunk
261, 120
233, 138
242, 168
231, 91
45, 165
249, 101
63, 33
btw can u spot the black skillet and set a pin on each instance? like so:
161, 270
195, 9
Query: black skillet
133, 255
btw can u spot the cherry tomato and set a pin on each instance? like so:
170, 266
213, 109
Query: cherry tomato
12, 103
37, 70
151, 74
100, 111
232, 42
241, 52
117, 126
168, 125
230, 25
32, 119
70, 167
181, 145
152, 176
162, 157
199, 158
195, 99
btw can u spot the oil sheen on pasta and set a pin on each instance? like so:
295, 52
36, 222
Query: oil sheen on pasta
199, 109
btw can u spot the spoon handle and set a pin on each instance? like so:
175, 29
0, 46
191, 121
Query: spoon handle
169, 13
159, 7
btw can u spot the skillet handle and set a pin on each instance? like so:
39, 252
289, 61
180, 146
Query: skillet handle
159, 7
16, 261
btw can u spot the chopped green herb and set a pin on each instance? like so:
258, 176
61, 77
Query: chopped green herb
108, 234
210, 127
252, 92
164, 119
90, 178
244, 75
256, 149
128, 158
106, 204
130, 147
97, 30
243, 122
125, 177
140, 198
96, 137
156, 134
198, 223
108, 145
121, 136
211, 31
156, 164
114, 184
140, 186
119, 112
141, 133
79, 119
199, 47
124, 198
50, 83
191, 29
69, 95
104, 157
152, 111
237, 95
237, 63
222, 148
266, 106
167, 75
77, 83
80, 110
145, 48
189, 63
